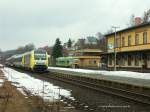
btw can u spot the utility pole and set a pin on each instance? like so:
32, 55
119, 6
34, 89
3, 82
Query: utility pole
43, 105
58, 109
115, 53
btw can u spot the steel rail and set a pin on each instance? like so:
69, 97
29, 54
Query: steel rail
137, 97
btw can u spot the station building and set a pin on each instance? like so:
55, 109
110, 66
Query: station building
88, 58
132, 47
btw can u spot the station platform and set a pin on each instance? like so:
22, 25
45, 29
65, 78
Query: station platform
125, 77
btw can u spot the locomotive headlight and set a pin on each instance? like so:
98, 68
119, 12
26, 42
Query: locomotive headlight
35, 62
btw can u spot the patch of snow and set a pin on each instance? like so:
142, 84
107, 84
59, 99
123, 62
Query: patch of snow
22, 91
37, 87
111, 73
1, 82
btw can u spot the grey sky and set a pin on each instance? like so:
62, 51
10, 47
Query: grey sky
42, 21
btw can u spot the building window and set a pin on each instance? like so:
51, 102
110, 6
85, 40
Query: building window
123, 41
123, 60
94, 61
129, 40
117, 42
137, 58
117, 60
145, 38
90, 62
129, 60
136, 39
110, 60
148, 57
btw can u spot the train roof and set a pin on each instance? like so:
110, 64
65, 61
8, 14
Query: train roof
20, 55
89, 50
65, 58
15, 56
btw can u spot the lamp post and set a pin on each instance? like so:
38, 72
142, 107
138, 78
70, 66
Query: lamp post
115, 53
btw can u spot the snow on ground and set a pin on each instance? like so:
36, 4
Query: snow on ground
1, 82
37, 87
1, 65
110, 73
1, 78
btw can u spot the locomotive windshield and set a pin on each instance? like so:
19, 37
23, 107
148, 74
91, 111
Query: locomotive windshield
40, 55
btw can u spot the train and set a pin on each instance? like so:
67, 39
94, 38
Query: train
35, 60
84, 62
70, 62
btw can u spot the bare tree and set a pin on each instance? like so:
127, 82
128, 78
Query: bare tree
109, 31
146, 16
29, 47
99, 35
102, 43
0, 50
132, 20
80, 44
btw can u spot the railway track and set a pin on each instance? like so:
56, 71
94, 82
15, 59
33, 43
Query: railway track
92, 84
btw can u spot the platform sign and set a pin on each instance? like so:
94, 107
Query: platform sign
110, 46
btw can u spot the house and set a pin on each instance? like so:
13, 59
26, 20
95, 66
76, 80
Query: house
88, 58
91, 40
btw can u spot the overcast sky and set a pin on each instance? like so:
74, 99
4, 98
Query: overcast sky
42, 21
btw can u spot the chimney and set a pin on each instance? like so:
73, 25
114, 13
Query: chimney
138, 21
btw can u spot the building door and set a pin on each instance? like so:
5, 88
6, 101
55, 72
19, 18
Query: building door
145, 59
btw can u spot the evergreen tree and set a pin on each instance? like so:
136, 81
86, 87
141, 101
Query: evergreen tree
69, 44
57, 49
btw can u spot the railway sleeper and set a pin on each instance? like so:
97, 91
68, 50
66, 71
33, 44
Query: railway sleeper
127, 96
142, 90
115, 91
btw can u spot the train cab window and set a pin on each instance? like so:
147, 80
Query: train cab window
40, 57
43, 58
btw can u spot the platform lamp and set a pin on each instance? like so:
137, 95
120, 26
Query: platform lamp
115, 53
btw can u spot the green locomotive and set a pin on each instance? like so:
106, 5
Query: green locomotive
72, 62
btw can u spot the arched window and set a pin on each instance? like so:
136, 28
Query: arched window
136, 39
145, 38
129, 40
